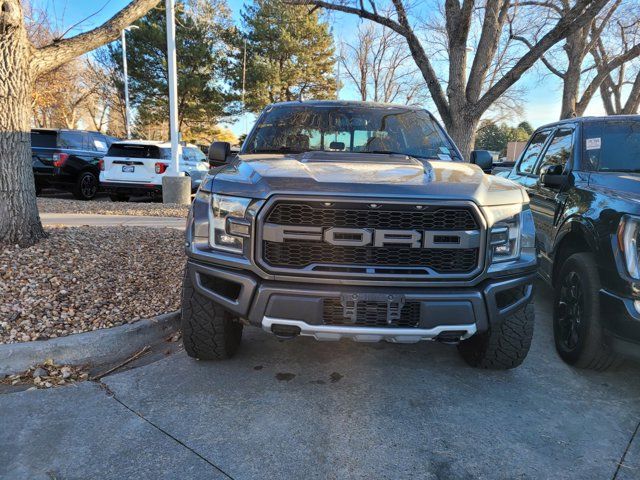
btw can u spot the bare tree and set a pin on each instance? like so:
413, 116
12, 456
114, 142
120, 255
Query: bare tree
574, 71
467, 96
21, 63
380, 67
627, 75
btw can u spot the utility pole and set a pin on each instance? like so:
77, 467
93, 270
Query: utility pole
244, 71
244, 78
176, 188
173, 86
127, 113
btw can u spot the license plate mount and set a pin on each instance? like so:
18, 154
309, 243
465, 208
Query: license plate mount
350, 301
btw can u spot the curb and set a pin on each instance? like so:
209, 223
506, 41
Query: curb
90, 348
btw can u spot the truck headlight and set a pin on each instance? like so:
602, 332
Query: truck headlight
629, 243
511, 232
228, 226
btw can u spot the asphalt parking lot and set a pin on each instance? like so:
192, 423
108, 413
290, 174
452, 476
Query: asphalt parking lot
304, 409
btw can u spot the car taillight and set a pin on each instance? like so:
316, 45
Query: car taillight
161, 167
101, 165
59, 159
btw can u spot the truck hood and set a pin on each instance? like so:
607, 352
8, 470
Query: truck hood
370, 175
621, 186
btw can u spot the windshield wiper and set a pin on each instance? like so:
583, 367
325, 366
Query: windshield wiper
389, 152
275, 150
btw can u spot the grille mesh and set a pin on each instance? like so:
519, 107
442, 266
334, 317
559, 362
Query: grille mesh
438, 219
299, 254
371, 314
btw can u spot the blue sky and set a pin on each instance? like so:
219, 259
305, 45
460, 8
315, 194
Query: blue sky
541, 100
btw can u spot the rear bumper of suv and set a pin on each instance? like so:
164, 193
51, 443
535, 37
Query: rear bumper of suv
131, 188
284, 308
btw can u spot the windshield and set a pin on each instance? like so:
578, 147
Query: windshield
613, 145
297, 129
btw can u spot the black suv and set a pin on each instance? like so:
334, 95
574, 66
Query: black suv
69, 160
583, 179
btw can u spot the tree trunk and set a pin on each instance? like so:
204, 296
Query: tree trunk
462, 130
19, 219
576, 50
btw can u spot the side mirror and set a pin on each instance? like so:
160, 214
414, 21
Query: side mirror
483, 159
218, 153
553, 176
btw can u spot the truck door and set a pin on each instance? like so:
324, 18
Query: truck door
547, 201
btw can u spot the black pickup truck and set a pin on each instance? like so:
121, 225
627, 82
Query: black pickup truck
68, 160
583, 178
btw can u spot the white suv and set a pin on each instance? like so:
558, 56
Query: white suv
136, 167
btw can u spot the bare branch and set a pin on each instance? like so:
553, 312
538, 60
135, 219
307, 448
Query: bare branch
55, 54
582, 13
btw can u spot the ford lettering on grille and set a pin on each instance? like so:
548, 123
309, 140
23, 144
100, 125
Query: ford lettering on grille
372, 237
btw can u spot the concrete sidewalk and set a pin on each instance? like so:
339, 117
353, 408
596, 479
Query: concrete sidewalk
306, 409
77, 219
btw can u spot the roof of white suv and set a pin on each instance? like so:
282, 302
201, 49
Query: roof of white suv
156, 143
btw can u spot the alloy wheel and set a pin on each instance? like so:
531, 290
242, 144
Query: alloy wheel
570, 311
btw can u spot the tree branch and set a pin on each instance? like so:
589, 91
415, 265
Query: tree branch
60, 52
403, 28
544, 59
583, 12
603, 72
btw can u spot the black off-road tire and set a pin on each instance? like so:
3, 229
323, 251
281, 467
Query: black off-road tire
504, 346
86, 186
591, 350
209, 332
119, 197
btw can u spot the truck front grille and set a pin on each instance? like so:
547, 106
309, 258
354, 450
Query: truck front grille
433, 219
308, 255
299, 254
370, 314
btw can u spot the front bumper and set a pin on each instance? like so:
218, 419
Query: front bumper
621, 320
445, 313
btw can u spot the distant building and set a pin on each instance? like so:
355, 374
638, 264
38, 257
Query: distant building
514, 149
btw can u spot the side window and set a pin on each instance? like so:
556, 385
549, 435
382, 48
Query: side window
559, 150
72, 140
530, 155
98, 142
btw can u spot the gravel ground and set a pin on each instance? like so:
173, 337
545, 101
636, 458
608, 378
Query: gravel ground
85, 278
149, 209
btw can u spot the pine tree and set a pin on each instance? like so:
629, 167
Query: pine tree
290, 54
201, 54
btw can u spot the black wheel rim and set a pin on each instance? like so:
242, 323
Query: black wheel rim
570, 311
88, 186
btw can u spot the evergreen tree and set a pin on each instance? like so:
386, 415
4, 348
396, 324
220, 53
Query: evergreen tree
290, 54
202, 28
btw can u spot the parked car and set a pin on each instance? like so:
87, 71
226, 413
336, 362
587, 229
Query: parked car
358, 220
136, 167
68, 160
583, 178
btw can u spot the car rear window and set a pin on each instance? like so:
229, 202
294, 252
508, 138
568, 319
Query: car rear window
612, 145
44, 138
134, 151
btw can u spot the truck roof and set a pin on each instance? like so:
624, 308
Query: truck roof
590, 119
344, 103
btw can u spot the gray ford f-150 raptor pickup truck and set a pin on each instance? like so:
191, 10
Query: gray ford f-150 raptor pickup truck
358, 220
